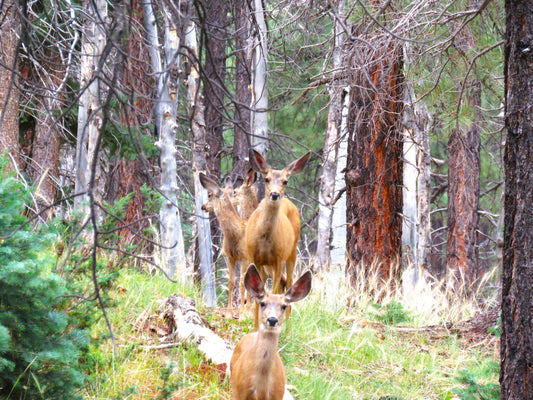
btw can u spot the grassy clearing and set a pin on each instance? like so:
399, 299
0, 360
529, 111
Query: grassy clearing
330, 350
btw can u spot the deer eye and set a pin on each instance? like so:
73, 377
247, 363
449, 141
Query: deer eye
283, 307
285, 183
262, 304
267, 180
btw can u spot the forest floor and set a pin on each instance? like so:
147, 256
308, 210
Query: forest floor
332, 348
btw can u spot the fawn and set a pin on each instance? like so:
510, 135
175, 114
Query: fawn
257, 372
233, 228
271, 237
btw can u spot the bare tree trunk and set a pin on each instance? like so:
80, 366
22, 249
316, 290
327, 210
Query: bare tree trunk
215, 33
167, 67
416, 229
259, 104
463, 203
199, 164
516, 372
44, 164
329, 162
374, 169
338, 220
89, 111
241, 118
9, 95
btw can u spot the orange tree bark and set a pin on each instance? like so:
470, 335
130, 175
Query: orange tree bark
374, 164
463, 203
516, 372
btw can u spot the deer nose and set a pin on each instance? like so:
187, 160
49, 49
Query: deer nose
274, 196
272, 321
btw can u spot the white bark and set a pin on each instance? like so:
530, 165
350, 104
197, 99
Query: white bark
329, 163
172, 247
89, 111
416, 194
259, 104
203, 227
338, 224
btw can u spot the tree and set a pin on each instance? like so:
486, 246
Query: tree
166, 65
516, 373
463, 202
331, 144
199, 165
241, 117
259, 86
374, 165
9, 95
214, 76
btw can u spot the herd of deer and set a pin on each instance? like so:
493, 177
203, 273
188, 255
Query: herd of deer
263, 236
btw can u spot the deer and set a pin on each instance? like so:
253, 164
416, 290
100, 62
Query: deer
257, 371
271, 236
233, 229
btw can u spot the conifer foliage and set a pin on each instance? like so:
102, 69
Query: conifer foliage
39, 349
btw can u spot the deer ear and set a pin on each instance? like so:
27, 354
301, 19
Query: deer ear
253, 282
300, 289
209, 184
251, 178
298, 165
258, 162
228, 185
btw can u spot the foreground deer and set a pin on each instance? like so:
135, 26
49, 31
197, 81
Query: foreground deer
257, 372
233, 228
274, 227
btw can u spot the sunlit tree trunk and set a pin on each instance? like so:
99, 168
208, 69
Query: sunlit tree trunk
199, 164
166, 67
463, 202
241, 117
516, 372
374, 168
329, 162
259, 103
9, 95
89, 111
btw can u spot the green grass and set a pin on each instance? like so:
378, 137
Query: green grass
330, 351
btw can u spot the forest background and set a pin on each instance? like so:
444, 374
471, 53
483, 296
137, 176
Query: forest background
110, 111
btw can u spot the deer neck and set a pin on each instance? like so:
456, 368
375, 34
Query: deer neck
228, 218
266, 349
270, 213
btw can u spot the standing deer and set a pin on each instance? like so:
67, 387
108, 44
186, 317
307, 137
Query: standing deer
271, 236
257, 371
233, 229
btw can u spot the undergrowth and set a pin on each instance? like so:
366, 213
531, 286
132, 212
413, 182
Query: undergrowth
331, 350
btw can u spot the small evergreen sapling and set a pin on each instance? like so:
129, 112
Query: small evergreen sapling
40, 349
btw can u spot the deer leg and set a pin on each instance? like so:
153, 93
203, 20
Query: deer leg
231, 284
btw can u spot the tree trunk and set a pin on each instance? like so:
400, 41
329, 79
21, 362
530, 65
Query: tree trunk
9, 95
516, 372
215, 34
338, 220
167, 67
259, 104
44, 164
89, 111
463, 203
241, 118
374, 168
199, 164
329, 162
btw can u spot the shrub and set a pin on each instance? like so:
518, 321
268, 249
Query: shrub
39, 347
